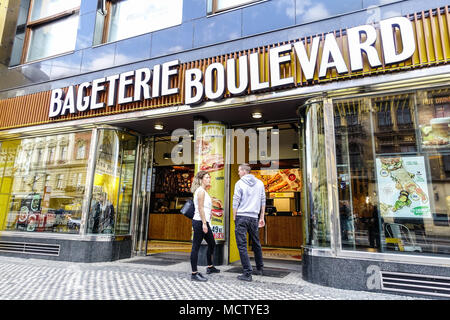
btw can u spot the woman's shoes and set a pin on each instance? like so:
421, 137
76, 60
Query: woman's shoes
198, 277
212, 269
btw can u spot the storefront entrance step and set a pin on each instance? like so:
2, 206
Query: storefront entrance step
268, 272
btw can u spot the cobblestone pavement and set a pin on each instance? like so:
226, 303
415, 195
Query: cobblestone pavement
38, 279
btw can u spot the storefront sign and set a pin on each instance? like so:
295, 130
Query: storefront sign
238, 76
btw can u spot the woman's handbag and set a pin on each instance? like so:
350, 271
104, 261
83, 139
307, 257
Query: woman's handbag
188, 209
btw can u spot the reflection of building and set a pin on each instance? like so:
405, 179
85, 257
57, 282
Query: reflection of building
53, 168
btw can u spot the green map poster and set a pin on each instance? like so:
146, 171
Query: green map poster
402, 187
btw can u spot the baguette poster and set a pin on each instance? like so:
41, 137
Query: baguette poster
280, 180
402, 187
209, 150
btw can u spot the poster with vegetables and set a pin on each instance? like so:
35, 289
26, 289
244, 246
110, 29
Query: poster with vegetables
209, 150
402, 187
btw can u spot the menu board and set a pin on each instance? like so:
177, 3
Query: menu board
280, 180
402, 187
434, 123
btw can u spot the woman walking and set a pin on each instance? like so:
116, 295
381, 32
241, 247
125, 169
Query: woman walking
201, 224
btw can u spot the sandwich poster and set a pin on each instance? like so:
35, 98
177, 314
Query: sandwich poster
209, 150
280, 180
434, 122
402, 187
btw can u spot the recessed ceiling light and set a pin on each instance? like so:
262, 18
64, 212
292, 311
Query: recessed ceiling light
159, 126
257, 115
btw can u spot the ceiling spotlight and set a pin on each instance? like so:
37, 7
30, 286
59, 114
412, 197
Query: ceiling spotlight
166, 156
295, 147
159, 126
257, 115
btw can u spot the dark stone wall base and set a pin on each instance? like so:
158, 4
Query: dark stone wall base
76, 250
359, 274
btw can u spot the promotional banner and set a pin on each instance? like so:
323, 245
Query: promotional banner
280, 180
402, 187
209, 153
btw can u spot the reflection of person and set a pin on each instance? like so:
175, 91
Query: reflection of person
344, 214
201, 225
249, 202
102, 215
374, 229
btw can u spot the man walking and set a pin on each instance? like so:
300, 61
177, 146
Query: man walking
249, 203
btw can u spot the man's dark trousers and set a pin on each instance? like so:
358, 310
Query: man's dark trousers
246, 224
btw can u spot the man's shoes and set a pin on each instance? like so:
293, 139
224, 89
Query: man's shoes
258, 272
212, 269
198, 277
245, 277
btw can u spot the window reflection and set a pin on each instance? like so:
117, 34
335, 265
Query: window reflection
53, 38
129, 18
393, 172
45, 8
318, 218
35, 192
110, 209
220, 5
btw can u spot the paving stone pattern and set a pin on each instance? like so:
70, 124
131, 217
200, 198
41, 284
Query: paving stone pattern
38, 279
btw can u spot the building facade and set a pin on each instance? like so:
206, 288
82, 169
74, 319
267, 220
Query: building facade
109, 108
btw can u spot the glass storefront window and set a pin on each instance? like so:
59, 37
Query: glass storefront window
36, 192
318, 219
111, 202
393, 168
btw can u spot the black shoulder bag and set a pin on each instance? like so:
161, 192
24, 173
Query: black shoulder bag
188, 209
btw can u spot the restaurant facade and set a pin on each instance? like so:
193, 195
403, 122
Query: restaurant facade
342, 110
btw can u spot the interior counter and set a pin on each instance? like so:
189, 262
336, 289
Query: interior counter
169, 226
282, 231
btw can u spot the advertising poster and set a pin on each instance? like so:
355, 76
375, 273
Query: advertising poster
280, 180
402, 187
434, 122
209, 151
30, 209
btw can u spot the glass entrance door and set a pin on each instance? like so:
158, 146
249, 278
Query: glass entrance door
274, 154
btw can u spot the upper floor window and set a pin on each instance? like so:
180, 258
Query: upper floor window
50, 29
121, 19
215, 6
81, 150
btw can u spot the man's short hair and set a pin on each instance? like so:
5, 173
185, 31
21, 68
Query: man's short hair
246, 167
